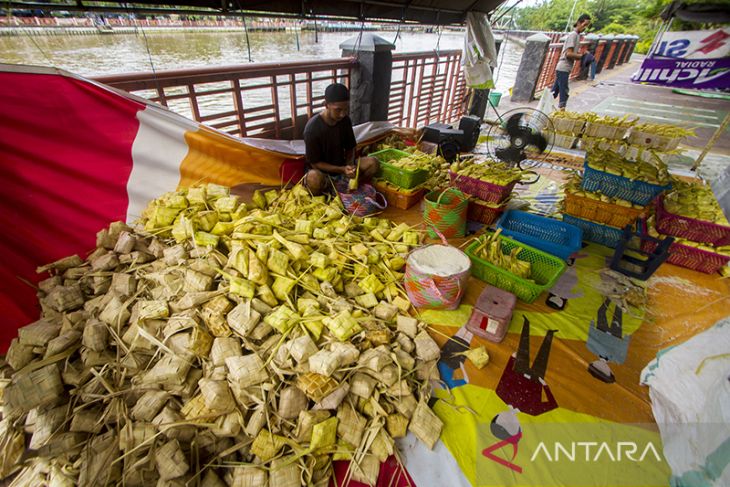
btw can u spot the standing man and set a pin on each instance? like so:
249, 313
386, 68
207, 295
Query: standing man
330, 143
568, 55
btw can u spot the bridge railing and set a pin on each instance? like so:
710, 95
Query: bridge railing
426, 87
275, 100
541, 50
253, 100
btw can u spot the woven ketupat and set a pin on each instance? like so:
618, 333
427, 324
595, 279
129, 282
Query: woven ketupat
446, 211
316, 386
426, 425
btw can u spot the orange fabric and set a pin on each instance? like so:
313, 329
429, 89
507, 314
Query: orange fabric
213, 157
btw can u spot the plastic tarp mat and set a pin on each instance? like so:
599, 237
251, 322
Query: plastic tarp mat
690, 395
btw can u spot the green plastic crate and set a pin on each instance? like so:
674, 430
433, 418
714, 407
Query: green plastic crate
400, 177
546, 269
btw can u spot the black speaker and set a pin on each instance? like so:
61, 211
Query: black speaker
470, 127
451, 141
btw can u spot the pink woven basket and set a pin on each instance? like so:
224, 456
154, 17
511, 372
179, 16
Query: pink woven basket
691, 257
435, 292
491, 193
689, 228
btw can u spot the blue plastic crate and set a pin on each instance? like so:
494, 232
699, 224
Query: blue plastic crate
549, 235
637, 192
595, 232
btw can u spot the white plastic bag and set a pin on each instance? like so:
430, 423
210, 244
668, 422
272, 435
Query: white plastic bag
547, 102
480, 52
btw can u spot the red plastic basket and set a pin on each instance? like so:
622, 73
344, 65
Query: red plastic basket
491, 193
691, 257
689, 228
481, 212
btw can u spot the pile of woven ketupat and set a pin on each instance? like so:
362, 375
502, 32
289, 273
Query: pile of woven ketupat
221, 343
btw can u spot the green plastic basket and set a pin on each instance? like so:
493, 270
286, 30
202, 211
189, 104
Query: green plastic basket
546, 269
400, 177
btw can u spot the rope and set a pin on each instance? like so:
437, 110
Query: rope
245, 30
248, 41
359, 36
397, 33
146, 45
32, 39
48, 59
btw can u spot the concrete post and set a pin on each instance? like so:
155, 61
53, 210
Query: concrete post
619, 41
630, 49
604, 56
370, 79
622, 53
533, 57
592, 40
480, 100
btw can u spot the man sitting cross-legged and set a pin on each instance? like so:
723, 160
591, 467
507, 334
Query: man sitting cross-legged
330, 144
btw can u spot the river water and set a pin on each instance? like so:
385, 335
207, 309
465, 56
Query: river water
121, 53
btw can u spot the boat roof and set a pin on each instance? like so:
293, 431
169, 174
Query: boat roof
431, 12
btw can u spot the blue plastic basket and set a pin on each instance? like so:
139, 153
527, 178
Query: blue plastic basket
552, 236
614, 186
595, 232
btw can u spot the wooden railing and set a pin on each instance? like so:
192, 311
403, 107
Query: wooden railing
255, 100
426, 87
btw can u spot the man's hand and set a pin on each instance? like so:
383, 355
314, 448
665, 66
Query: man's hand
350, 171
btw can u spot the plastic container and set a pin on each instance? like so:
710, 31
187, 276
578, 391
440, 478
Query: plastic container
566, 141
690, 228
653, 141
494, 97
637, 153
595, 232
546, 269
692, 258
547, 234
429, 290
600, 211
400, 177
568, 125
491, 193
444, 212
604, 131
482, 212
398, 197
620, 187
492, 314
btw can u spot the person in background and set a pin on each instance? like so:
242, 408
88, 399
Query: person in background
330, 144
568, 56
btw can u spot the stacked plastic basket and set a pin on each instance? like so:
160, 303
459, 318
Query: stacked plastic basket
488, 200
635, 142
402, 188
596, 210
701, 244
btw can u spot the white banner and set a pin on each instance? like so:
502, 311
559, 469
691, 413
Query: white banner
695, 44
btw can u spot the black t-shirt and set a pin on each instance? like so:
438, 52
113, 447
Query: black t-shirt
324, 143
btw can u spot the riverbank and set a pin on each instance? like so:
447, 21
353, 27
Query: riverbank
54, 26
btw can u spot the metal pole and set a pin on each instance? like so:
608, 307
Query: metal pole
658, 39
711, 142
572, 11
